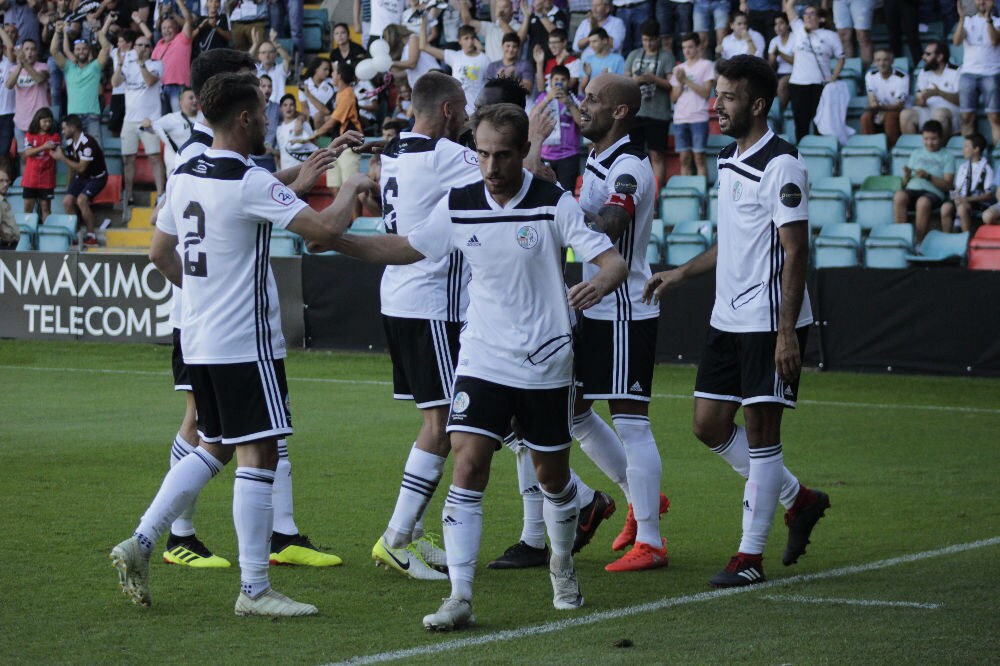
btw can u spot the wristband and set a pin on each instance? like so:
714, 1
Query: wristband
622, 201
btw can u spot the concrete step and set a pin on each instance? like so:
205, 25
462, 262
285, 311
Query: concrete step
141, 218
128, 237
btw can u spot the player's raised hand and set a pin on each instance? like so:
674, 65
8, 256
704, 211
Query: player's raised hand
541, 121
370, 147
659, 283
348, 139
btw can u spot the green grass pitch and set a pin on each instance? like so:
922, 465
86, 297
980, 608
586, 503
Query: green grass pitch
911, 464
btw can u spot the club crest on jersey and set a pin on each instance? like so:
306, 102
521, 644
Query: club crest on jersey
460, 403
626, 184
737, 190
282, 194
790, 195
527, 237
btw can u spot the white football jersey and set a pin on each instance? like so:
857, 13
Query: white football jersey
892, 90
519, 332
623, 168
947, 81
759, 191
230, 310
417, 172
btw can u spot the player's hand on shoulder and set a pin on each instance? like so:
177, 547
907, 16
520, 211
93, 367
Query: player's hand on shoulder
659, 283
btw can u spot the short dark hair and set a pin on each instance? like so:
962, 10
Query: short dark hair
650, 28
601, 33
511, 90
561, 70
761, 80
691, 37
73, 120
397, 124
289, 96
346, 72
933, 126
226, 95
341, 25
218, 61
941, 48
312, 66
559, 34
978, 140
504, 115
511, 37
886, 49
265, 76
129, 35
466, 30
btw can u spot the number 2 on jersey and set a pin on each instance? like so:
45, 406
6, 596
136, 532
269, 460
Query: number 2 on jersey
195, 262
389, 194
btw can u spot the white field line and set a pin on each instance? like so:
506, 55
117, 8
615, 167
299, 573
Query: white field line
666, 602
666, 396
795, 598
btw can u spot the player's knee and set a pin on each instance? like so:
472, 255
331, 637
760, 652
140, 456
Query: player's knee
710, 432
82, 201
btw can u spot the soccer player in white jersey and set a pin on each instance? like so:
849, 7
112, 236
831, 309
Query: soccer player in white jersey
423, 308
232, 339
616, 347
516, 356
759, 325
288, 545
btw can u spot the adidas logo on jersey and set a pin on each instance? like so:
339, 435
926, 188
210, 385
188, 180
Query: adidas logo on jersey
473, 242
636, 388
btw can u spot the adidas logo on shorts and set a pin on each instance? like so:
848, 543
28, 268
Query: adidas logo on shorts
635, 388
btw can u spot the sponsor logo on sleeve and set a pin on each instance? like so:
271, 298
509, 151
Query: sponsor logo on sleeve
790, 195
626, 184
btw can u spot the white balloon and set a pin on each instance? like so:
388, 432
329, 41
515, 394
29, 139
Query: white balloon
366, 70
378, 47
383, 62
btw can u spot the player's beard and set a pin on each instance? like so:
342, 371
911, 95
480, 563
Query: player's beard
739, 126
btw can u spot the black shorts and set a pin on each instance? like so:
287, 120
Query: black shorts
650, 132
739, 367
239, 403
182, 380
614, 359
90, 187
424, 353
37, 193
913, 195
544, 416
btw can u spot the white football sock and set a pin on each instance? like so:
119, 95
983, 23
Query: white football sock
284, 505
760, 497
180, 486
533, 528
561, 516
184, 525
462, 524
420, 479
645, 472
602, 445
736, 452
584, 493
253, 516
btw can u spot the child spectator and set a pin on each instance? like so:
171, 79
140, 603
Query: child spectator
888, 89
650, 66
560, 56
404, 108
973, 185
345, 117
602, 59
561, 149
512, 65
293, 126
781, 55
468, 65
741, 40
690, 86
928, 174
391, 129
39, 178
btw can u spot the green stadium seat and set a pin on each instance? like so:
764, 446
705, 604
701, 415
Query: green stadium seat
838, 245
941, 248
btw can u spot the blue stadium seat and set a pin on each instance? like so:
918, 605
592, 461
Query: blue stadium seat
863, 156
24, 243
58, 233
955, 146
715, 144
682, 199
28, 224
654, 250
941, 248
856, 107
687, 240
906, 144
820, 155
873, 202
713, 205
888, 245
829, 201
838, 245
284, 243
367, 226
853, 74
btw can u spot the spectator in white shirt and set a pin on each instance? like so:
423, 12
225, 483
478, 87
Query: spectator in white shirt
468, 65
492, 32
937, 92
742, 40
266, 52
316, 92
781, 55
599, 17
815, 47
174, 129
980, 83
887, 88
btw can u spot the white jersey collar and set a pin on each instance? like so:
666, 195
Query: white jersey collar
612, 148
516, 199
755, 147
216, 153
203, 128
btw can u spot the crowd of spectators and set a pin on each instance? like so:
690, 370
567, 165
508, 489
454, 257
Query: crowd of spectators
122, 67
